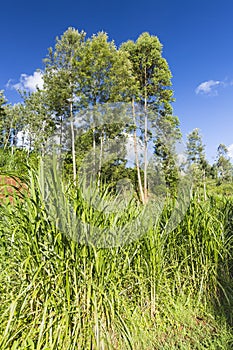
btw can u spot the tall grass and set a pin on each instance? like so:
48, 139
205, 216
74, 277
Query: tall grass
161, 290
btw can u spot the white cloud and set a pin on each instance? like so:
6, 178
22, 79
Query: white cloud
230, 150
208, 87
28, 82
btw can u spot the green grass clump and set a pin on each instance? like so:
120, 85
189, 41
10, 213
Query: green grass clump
160, 290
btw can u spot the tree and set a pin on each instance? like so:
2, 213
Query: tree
167, 135
195, 148
82, 74
62, 82
5, 122
36, 121
105, 71
10, 123
106, 79
223, 164
153, 92
196, 160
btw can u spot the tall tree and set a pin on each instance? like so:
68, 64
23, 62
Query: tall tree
106, 78
62, 82
154, 93
83, 73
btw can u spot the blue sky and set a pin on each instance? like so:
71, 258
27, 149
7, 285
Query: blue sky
196, 36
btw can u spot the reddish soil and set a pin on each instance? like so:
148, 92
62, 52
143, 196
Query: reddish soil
9, 187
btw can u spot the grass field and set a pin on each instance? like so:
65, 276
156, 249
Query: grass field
162, 290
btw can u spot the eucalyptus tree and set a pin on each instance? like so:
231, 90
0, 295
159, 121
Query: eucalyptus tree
195, 152
106, 72
36, 124
106, 78
153, 91
17, 123
223, 164
195, 148
196, 160
62, 82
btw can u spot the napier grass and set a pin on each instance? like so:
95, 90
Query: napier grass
161, 291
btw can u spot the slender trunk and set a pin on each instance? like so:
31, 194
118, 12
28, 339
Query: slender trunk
23, 140
61, 134
145, 142
7, 137
94, 131
136, 156
73, 143
100, 161
204, 186
30, 144
94, 149
6, 140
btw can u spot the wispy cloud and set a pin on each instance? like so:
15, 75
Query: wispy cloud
209, 87
26, 82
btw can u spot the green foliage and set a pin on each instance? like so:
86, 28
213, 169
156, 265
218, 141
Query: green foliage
105, 72
223, 164
62, 76
16, 163
196, 163
153, 91
36, 121
195, 148
161, 291
5, 122
151, 71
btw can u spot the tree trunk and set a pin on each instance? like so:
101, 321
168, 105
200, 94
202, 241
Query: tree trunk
204, 186
145, 142
61, 134
8, 137
100, 161
73, 143
94, 149
136, 156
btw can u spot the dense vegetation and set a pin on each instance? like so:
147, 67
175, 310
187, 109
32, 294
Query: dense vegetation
89, 263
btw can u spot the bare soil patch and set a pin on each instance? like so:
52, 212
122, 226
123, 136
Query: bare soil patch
11, 187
